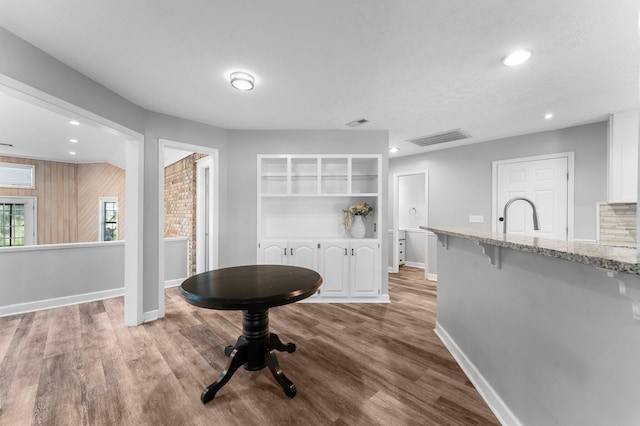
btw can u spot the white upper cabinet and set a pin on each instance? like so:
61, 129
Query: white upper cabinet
623, 157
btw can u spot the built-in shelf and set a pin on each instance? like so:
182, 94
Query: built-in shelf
301, 205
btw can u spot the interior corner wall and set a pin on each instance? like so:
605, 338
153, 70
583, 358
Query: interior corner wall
245, 145
460, 178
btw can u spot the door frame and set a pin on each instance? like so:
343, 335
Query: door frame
215, 176
570, 156
202, 164
396, 218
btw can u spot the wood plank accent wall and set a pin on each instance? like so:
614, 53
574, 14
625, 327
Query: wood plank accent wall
56, 199
68, 198
97, 180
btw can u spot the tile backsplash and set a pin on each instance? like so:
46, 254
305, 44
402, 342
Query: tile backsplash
618, 224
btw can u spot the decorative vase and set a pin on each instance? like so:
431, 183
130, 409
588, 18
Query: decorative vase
357, 227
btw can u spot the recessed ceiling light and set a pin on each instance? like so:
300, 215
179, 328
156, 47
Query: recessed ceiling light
72, 153
74, 123
548, 116
517, 57
242, 80
393, 150
73, 140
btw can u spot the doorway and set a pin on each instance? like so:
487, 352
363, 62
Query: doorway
410, 211
547, 181
194, 181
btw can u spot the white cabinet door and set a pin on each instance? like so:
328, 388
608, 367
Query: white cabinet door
303, 254
334, 269
364, 269
623, 157
273, 253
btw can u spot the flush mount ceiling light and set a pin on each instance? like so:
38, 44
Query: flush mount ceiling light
517, 57
72, 153
241, 80
73, 140
548, 116
393, 150
74, 123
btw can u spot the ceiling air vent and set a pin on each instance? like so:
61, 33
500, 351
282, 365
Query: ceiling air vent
355, 123
449, 136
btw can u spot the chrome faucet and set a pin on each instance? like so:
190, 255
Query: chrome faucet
503, 219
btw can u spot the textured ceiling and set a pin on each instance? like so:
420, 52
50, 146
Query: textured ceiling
414, 67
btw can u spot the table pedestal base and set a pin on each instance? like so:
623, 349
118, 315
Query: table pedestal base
254, 350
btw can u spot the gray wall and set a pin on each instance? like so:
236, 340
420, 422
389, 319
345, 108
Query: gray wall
553, 338
245, 145
26, 65
460, 178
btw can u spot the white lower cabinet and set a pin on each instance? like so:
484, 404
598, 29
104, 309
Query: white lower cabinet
348, 269
295, 253
334, 269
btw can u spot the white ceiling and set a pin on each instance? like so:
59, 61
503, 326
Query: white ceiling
414, 67
37, 131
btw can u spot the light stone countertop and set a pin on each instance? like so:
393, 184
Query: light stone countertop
620, 259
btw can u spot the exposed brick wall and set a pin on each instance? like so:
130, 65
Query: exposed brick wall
618, 224
180, 203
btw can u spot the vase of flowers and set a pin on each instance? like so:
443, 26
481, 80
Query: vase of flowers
353, 219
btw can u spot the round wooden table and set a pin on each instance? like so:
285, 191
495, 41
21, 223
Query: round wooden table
253, 289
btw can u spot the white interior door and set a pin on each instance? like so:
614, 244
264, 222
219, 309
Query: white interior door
545, 182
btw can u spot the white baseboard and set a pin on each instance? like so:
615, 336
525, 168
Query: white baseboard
414, 264
432, 277
150, 315
490, 396
39, 305
174, 283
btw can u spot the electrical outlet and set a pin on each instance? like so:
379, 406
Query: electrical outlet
476, 219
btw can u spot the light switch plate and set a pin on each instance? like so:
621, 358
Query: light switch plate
476, 219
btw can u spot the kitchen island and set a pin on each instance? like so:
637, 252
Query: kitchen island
548, 331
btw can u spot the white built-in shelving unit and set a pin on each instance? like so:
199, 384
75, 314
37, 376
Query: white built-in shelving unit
301, 204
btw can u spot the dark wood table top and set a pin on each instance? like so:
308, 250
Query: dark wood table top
250, 287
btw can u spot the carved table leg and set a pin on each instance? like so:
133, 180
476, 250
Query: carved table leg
276, 343
230, 348
254, 350
272, 362
237, 358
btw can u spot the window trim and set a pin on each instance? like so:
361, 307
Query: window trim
30, 167
101, 218
31, 217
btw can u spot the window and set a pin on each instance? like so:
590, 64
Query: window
11, 225
17, 221
108, 219
17, 175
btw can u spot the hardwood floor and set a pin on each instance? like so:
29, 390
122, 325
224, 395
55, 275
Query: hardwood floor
355, 364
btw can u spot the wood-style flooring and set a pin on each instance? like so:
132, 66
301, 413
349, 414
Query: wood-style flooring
355, 364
